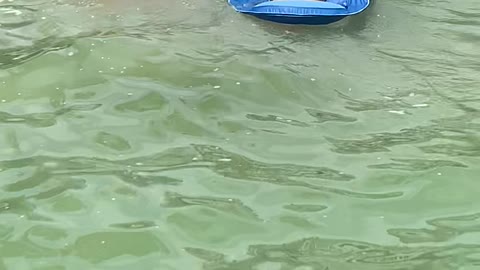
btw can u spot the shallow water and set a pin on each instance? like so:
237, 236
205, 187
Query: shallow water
181, 135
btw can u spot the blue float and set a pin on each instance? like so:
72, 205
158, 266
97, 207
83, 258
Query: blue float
300, 11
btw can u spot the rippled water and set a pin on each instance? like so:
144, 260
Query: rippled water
181, 135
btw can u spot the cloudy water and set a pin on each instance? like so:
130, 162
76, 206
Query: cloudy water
182, 135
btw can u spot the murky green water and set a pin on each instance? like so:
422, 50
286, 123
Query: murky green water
181, 135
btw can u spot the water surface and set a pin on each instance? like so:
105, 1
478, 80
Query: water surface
181, 135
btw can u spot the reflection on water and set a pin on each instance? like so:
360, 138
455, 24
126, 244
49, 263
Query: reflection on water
318, 253
444, 229
182, 135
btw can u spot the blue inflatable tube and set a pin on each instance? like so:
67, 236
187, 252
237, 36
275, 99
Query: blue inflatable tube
309, 12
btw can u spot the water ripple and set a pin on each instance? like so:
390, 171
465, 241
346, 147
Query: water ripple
182, 135
445, 229
138, 170
320, 253
228, 205
44, 119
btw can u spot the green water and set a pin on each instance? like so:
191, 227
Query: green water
181, 135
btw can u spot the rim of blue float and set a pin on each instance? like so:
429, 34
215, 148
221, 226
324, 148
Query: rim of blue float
299, 15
